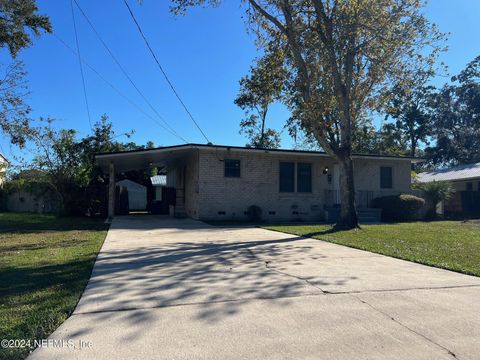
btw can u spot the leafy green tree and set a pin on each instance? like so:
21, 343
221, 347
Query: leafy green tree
390, 141
364, 137
104, 138
14, 112
257, 92
409, 104
19, 20
456, 116
57, 160
67, 164
367, 139
340, 56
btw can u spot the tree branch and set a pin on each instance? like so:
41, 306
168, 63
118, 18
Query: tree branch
268, 16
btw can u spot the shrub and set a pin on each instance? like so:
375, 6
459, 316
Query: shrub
402, 207
254, 213
436, 192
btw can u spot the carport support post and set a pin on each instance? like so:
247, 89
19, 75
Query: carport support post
111, 192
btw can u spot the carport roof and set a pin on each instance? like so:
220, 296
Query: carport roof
135, 159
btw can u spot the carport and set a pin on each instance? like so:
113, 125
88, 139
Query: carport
170, 159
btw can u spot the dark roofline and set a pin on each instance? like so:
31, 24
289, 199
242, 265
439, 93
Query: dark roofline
179, 147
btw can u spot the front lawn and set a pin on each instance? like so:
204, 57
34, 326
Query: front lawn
45, 263
452, 245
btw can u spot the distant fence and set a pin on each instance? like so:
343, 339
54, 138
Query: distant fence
463, 202
23, 201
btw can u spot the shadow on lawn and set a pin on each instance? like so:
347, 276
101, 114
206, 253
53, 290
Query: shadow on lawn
43, 245
37, 299
332, 230
19, 280
34, 223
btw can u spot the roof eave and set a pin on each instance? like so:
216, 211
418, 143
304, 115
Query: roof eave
245, 149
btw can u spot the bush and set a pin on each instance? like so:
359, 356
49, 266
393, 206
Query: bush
402, 207
254, 213
3, 200
436, 192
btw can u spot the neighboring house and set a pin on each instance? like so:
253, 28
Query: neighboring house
466, 182
214, 182
137, 194
3, 169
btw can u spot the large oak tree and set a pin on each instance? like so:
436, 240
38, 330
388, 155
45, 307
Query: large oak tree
19, 22
341, 56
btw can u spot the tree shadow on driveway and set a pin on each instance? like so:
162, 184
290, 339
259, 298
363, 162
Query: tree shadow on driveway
217, 277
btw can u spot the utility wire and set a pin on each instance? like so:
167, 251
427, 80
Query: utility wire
162, 70
80, 63
118, 91
99, 37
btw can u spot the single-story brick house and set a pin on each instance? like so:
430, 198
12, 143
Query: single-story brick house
215, 182
465, 179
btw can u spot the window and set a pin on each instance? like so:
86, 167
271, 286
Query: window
287, 177
469, 186
304, 177
386, 178
232, 168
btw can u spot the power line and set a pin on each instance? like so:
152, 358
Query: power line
99, 37
80, 63
162, 70
118, 91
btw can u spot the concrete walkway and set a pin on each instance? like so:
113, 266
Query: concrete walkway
180, 289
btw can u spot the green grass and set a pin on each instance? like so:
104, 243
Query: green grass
45, 263
452, 245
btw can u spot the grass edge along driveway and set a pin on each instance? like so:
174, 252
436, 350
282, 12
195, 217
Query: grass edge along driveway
451, 245
45, 264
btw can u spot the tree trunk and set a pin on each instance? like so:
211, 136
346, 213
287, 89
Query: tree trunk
348, 213
413, 150
262, 134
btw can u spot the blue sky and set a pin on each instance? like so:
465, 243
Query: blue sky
205, 53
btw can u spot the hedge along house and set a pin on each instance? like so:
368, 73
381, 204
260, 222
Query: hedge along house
465, 179
214, 182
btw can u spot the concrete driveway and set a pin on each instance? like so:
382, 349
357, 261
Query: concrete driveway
180, 289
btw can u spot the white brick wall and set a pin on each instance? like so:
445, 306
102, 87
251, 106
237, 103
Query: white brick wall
208, 192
